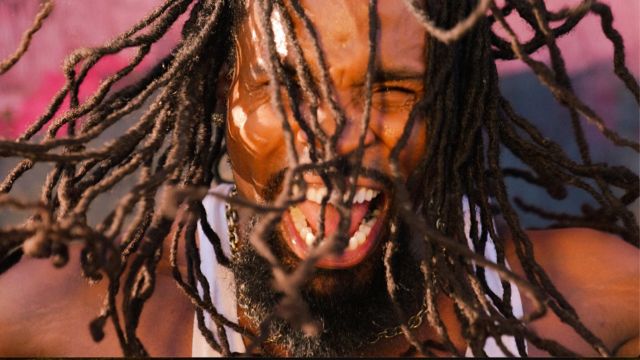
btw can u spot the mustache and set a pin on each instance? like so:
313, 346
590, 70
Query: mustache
339, 171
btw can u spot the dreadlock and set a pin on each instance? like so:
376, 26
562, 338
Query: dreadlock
175, 145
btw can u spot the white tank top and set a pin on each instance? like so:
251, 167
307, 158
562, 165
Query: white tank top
223, 292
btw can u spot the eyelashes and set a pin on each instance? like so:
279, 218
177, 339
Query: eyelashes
389, 89
395, 96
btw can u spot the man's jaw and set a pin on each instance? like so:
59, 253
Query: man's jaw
301, 226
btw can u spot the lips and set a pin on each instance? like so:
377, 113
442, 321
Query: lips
301, 224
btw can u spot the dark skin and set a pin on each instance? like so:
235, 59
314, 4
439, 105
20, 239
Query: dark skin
254, 124
47, 311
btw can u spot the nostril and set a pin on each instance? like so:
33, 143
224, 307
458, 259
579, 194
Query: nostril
301, 137
369, 137
343, 166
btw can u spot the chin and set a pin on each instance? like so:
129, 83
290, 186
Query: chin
346, 300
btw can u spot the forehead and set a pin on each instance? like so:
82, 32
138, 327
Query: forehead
342, 28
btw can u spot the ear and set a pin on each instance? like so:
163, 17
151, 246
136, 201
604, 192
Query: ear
226, 77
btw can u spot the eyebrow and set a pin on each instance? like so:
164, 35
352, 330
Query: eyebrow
382, 75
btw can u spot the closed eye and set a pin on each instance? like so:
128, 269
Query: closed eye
395, 96
386, 89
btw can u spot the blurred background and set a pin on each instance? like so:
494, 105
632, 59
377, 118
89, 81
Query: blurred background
27, 88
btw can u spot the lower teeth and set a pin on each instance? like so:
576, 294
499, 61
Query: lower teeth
357, 239
362, 233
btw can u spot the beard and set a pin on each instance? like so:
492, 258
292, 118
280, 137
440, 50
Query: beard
352, 305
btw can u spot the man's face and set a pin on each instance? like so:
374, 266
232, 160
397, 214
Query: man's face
256, 139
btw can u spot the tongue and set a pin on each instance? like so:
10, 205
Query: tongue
311, 212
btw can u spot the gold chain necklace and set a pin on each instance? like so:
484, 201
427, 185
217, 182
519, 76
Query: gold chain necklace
232, 224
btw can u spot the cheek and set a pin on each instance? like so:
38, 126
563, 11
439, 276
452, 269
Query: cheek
415, 149
255, 143
261, 132
389, 129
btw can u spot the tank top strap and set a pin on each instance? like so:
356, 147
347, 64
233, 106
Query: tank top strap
494, 283
221, 279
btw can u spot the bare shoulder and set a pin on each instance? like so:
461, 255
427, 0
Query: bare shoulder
585, 255
45, 311
42, 306
599, 274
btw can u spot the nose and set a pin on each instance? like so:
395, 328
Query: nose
351, 131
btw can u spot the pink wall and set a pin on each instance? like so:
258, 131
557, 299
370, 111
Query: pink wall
26, 89
587, 44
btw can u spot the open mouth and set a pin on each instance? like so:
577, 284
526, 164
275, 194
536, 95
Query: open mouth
302, 225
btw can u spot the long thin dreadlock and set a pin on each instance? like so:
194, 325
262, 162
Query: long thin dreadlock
175, 145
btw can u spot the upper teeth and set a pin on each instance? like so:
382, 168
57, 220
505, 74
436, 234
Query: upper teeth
316, 194
362, 194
